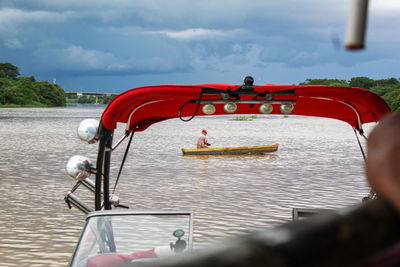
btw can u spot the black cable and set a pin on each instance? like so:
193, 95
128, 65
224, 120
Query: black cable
195, 112
123, 161
362, 134
372, 193
359, 143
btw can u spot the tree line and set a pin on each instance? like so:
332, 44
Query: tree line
75, 99
388, 89
26, 91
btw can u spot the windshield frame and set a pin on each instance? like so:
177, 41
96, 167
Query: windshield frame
119, 213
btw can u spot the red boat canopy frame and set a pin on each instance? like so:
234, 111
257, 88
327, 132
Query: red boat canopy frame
143, 106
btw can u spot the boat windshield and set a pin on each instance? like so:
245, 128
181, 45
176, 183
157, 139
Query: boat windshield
125, 238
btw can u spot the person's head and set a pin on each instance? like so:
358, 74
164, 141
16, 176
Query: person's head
248, 80
382, 165
204, 132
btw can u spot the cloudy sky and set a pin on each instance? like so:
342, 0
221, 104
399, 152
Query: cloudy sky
111, 46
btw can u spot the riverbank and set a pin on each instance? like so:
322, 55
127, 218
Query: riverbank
24, 106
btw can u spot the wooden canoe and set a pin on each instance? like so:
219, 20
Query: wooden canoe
231, 150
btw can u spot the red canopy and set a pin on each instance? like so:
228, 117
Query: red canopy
143, 106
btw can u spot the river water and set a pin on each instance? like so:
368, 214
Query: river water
318, 165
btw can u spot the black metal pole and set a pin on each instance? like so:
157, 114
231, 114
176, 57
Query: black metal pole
104, 136
106, 176
99, 168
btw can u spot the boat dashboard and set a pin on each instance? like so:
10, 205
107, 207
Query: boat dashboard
132, 238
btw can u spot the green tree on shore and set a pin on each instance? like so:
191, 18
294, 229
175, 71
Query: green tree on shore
8, 70
329, 82
388, 89
26, 91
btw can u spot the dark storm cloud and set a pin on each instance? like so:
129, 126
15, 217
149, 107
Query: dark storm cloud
197, 40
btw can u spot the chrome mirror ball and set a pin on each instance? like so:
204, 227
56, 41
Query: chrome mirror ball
87, 130
79, 167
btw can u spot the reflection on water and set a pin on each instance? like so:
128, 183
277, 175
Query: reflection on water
318, 165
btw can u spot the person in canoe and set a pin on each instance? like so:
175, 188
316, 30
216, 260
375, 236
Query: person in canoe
202, 141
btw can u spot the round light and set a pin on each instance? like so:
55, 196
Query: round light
266, 108
287, 108
178, 233
225, 96
268, 97
208, 109
87, 130
78, 167
230, 107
